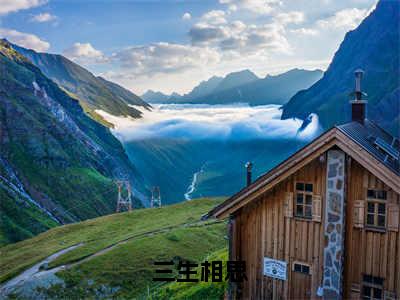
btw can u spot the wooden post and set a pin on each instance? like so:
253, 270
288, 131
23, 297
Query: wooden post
231, 257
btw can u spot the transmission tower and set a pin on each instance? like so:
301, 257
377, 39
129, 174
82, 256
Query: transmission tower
155, 197
124, 195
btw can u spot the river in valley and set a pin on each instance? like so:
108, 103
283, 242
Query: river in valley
193, 151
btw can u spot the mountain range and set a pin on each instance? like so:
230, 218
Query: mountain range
328, 97
57, 165
373, 46
94, 93
243, 86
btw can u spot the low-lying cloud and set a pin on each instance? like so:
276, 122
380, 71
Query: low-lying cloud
26, 40
211, 122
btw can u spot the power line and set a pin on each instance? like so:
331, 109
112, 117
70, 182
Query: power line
124, 199
155, 197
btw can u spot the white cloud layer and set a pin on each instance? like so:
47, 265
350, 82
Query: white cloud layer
26, 40
344, 19
239, 38
9, 6
186, 16
43, 17
304, 31
214, 17
263, 7
211, 122
266, 36
85, 53
292, 17
164, 58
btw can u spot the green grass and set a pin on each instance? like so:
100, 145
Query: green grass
127, 271
99, 233
20, 220
201, 290
81, 191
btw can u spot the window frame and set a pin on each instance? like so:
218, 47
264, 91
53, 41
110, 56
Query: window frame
373, 286
302, 265
375, 201
304, 193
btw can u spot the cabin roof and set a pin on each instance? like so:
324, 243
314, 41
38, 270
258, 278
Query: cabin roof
368, 136
366, 143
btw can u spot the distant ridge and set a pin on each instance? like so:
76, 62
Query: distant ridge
155, 97
235, 79
244, 86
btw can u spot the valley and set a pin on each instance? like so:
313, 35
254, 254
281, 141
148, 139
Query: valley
73, 128
193, 151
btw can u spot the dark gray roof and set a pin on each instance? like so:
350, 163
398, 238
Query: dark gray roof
374, 140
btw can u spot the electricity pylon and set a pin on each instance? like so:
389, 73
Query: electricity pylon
124, 198
155, 197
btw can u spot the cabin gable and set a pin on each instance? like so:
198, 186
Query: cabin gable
268, 227
324, 223
333, 138
331, 250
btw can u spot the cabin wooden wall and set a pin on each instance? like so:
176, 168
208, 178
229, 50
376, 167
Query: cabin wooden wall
261, 230
369, 252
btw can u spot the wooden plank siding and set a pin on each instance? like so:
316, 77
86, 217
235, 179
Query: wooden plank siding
264, 231
261, 229
369, 252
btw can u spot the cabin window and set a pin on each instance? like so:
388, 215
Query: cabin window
376, 209
304, 200
301, 268
372, 287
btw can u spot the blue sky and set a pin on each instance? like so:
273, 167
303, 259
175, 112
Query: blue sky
172, 45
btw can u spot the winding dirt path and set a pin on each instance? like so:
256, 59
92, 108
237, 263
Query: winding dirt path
35, 274
34, 271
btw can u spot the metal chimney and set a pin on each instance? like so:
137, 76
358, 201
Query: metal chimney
249, 166
358, 105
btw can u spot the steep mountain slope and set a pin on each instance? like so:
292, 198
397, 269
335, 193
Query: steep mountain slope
93, 92
113, 256
374, 47
56, 164
269, 90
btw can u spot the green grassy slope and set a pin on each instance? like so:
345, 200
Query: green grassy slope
139, 238
19, 220
196, 291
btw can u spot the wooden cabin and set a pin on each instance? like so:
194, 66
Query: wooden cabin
325, 222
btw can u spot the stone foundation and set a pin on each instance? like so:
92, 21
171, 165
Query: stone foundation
334, 224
